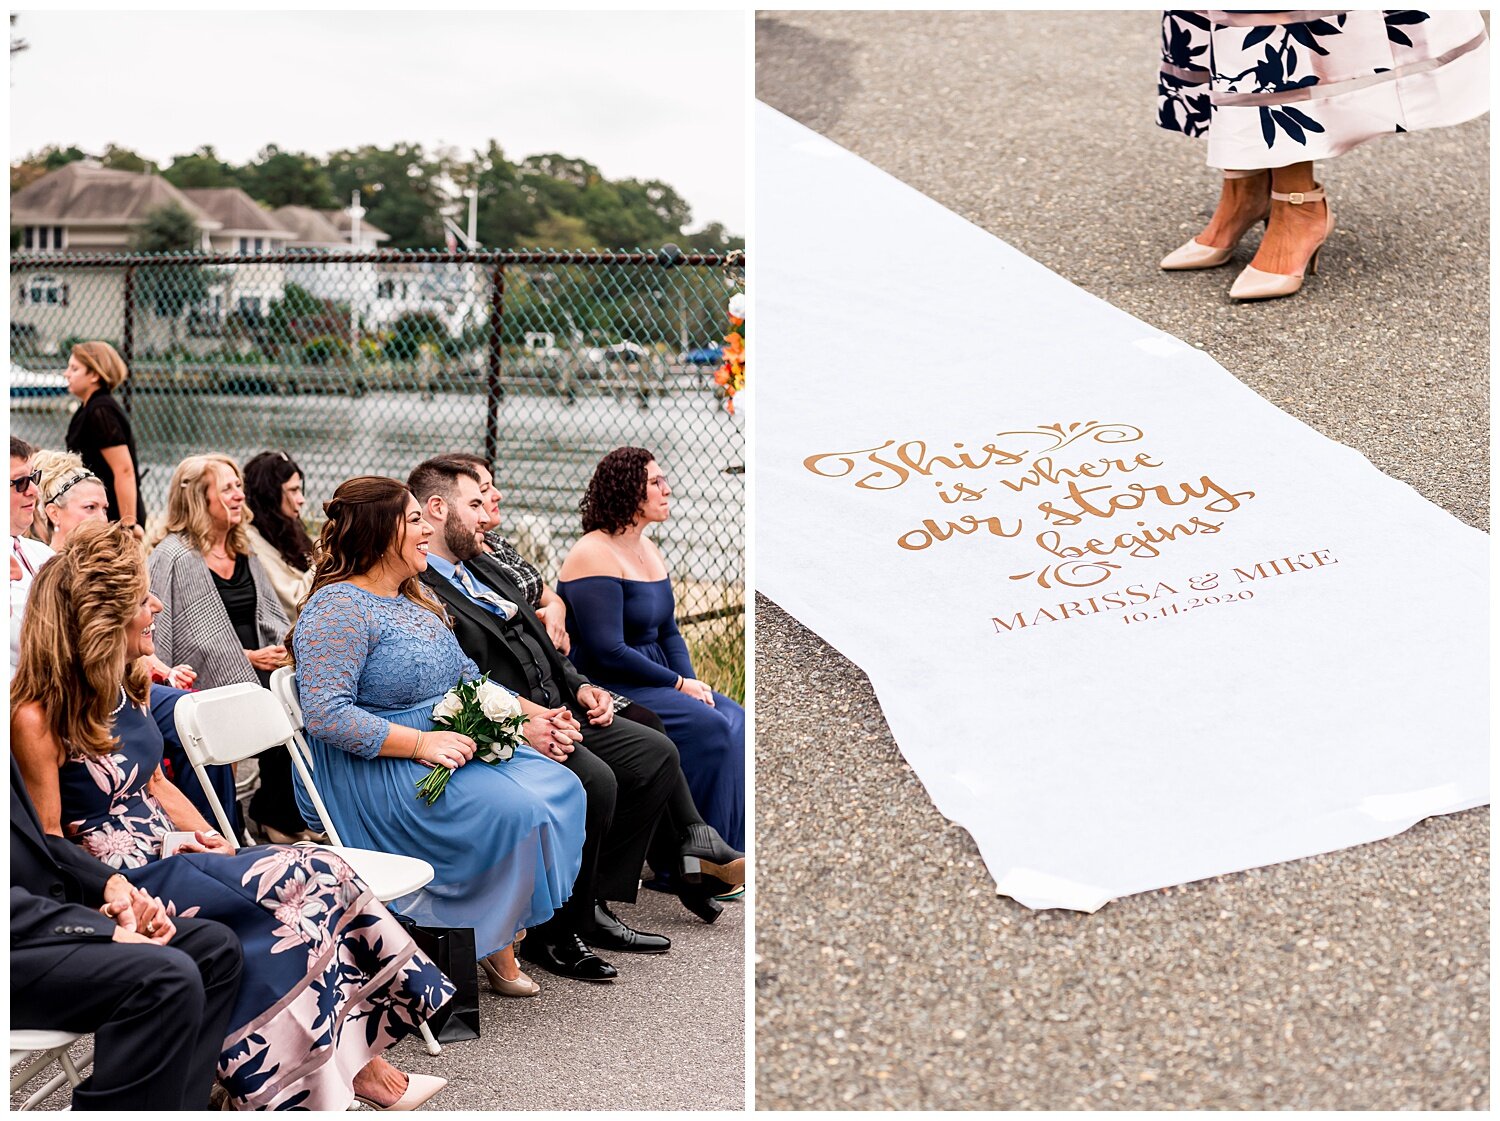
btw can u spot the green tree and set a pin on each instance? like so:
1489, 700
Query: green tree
563, 231
411, 331
712, 238
123, 159
507, 209
280, 178
172, 290
27, 170
202, 168
398, 189
656, 203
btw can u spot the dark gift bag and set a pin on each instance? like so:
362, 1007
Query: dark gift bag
451, 949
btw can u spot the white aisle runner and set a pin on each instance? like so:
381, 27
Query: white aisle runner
1131, 624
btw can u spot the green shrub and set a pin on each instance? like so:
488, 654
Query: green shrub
325, 349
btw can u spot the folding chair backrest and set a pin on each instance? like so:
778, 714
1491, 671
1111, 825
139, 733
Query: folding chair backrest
234, 722
230, 723
284, 689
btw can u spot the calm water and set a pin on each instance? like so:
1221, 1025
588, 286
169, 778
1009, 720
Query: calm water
547, 451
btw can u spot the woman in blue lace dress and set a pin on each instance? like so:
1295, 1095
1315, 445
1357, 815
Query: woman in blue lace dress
331, 980
621, 616
374, 655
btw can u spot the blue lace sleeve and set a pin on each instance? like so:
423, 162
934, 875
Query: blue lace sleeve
335, 634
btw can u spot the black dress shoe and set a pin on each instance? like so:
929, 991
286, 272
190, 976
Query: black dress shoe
567, 956
705, 853
609, 933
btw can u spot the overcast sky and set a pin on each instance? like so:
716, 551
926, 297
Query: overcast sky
645, 95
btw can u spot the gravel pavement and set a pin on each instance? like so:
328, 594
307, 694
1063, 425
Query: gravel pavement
668, 1034
888, 974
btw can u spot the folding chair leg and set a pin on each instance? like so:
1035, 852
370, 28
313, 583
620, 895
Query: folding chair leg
65, 1061
433, 1047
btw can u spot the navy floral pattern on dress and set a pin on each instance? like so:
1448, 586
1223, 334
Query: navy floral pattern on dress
1268, 91
1182, 103
330, 978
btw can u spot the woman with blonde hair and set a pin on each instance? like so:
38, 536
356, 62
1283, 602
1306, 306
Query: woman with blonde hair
331, 980
220, 612
100, 431
68, 494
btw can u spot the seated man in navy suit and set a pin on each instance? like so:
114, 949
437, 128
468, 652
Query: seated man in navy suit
89, 952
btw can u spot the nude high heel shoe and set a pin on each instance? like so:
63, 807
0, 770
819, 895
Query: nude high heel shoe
521, 986
1193, 254
1252, 284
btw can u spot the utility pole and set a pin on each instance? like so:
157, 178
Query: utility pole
356, 212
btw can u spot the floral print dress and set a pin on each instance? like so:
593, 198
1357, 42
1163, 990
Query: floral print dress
330, 978
1270, 89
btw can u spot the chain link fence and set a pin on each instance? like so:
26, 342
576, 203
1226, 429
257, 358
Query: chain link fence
367, 363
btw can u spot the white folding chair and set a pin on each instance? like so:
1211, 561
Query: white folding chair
235, 722
33, 1051
284, 689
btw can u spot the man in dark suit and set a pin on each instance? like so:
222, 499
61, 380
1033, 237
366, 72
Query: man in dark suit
628, 770
156, 992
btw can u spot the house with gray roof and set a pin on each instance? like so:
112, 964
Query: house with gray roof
84, 208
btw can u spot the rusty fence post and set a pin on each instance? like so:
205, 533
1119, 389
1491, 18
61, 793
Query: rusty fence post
493, 389
127, 336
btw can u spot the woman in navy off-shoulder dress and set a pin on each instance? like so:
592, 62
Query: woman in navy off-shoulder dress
621, 618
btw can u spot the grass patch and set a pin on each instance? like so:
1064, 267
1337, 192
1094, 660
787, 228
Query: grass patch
717, 647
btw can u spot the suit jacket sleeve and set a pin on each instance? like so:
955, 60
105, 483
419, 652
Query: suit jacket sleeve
92, 874
495, 575
38, 921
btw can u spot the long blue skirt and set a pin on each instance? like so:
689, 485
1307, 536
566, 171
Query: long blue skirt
505, 840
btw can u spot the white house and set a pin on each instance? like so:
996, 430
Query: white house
84, 208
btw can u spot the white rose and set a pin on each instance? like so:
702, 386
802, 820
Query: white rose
737, 305
497, 703
449, 707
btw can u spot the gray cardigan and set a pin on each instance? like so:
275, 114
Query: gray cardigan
193, 626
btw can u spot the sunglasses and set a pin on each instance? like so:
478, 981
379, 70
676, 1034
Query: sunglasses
24, 481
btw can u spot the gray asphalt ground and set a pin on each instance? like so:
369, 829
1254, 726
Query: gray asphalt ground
888, 974
668, 1034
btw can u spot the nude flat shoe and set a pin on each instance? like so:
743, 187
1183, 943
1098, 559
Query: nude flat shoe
420, 1089
1253, 284
1193, 254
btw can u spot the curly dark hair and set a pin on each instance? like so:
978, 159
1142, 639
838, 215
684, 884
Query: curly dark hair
264, 476
616, 491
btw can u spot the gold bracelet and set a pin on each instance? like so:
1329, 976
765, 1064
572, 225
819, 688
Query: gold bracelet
418, 746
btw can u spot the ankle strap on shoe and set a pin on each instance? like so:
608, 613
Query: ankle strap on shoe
1251, 174
1297, 198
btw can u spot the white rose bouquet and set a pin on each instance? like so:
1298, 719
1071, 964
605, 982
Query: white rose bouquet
488, 714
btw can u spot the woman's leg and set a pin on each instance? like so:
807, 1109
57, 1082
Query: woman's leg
1242, 203
504, 962
1295, 229
380, 1082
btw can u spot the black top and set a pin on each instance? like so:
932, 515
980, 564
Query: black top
238, 594
100, 423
